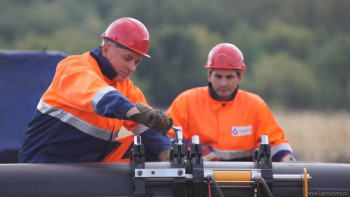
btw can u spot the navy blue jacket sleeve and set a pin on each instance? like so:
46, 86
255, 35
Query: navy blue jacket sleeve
155, 142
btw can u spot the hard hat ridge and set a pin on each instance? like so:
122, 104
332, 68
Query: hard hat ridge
130, 33
226, 56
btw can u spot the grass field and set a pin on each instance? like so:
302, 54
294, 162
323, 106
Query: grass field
317, 136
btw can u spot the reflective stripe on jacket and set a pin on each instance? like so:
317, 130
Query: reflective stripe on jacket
233, 128
79, 115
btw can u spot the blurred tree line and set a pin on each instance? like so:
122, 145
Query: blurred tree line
296, 52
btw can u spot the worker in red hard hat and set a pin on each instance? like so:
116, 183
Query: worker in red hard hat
91, 98
229, 121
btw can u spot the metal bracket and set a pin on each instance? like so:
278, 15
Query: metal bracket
138, 161
160, 173
177, 159
196, 168
263, 160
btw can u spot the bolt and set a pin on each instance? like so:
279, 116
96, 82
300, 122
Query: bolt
179, 172
139, 173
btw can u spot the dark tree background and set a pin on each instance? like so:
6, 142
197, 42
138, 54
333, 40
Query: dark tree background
297, 52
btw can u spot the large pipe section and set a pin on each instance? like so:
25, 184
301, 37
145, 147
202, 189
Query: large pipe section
116, 179
185, 175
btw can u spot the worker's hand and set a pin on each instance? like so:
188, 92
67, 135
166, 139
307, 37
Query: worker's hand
153, 119
288, 158
164, 156
208, 155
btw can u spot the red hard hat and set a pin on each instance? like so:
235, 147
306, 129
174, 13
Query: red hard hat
226, 56
130, 33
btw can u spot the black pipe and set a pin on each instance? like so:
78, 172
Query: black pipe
113, 179
88, 179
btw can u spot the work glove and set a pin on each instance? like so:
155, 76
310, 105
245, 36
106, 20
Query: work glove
165, 155
153, 119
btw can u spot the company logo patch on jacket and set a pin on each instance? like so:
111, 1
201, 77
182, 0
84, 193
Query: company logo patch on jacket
241, 131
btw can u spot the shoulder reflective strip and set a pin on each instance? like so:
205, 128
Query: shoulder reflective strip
98, 96
115, 135
74, 121
283, 146
139, 129
233, 154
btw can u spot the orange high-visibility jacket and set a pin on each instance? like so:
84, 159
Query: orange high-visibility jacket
233, 128
80, 114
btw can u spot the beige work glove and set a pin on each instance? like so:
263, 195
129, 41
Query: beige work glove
164, 156
151, 118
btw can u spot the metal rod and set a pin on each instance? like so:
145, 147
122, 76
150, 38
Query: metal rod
264, 139
195, 139
289, 177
